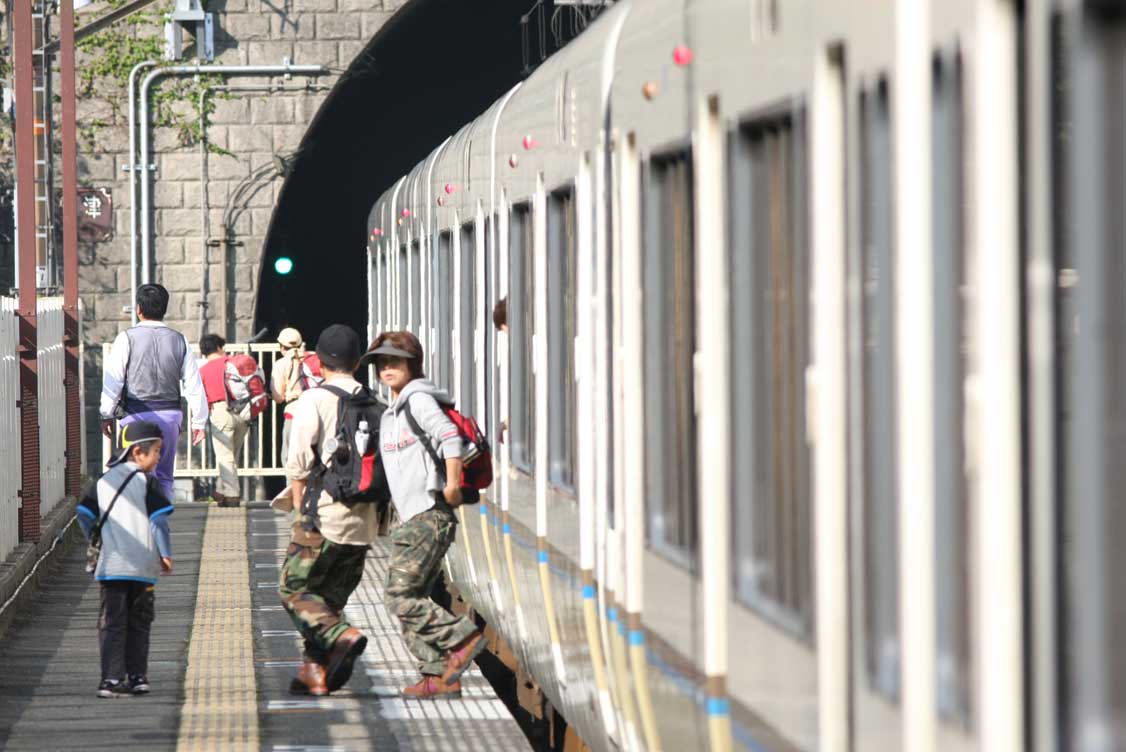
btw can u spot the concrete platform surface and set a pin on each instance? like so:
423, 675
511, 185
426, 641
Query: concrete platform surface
223, 652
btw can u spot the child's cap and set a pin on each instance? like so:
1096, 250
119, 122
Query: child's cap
137, 432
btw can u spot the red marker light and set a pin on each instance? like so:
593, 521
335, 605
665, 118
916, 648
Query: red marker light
682, 55
377, 232
450, 188
406, 212
529, 143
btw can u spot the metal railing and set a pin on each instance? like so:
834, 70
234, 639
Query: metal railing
52, 404
52, 414
261, 452
10, 428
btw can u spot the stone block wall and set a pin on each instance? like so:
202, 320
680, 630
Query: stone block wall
246, 131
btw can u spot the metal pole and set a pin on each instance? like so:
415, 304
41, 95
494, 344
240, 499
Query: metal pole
70, 252
204, 213
23, 53
42, 145
134, 166
192, 70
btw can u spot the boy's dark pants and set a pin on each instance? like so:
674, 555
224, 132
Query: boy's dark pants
123, 627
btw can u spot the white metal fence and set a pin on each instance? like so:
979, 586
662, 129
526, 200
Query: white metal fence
52, 415
52, 404
9, 427
261, 453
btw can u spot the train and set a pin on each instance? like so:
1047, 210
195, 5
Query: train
806, 416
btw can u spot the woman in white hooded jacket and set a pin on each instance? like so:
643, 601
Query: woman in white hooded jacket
424, 496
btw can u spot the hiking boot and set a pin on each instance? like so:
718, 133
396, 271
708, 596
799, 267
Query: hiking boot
310, 680
139, 684
462, 655
113, 689
348, 646
431, 687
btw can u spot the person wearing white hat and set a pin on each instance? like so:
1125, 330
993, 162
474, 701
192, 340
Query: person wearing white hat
293, 373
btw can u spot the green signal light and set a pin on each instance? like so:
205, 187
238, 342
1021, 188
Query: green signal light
284, 265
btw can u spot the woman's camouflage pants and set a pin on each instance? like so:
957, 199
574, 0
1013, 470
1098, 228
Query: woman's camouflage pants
315, 583
418, 546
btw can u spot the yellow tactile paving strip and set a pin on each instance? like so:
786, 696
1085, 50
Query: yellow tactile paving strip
220, 709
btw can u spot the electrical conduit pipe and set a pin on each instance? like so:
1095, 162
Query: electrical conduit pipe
192, 70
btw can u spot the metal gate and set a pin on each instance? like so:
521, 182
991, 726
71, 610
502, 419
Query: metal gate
261, 452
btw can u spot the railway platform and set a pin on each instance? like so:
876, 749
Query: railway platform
223, 652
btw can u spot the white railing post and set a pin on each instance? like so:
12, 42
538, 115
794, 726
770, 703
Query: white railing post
10, 426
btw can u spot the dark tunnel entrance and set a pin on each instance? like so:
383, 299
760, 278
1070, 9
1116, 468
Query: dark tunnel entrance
432, 67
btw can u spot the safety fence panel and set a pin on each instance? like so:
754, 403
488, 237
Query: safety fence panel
261, 453
9, 428
52, 404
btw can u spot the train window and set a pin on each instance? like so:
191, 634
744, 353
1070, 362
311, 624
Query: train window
952, 587
467, 288
521, 326
561, 259
416, 286
879, 502
1089, 111
401, 280
770, 273
670, 347
443, 306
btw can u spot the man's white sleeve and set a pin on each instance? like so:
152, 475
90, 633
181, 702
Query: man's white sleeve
193, 389
113, 375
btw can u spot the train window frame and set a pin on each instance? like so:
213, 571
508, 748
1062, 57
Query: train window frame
442, 281
668, 449
562, 328
771, 531
521, 328
878, 505
467, 316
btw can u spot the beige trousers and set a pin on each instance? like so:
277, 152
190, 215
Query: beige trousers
227, 437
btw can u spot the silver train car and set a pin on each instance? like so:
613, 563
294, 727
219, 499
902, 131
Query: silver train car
811, 424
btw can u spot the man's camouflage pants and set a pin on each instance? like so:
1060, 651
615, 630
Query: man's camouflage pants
418, 546
315, 583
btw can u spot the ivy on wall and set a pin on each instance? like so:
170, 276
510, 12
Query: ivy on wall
103, 72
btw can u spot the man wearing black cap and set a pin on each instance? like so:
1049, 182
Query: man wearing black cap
337, 546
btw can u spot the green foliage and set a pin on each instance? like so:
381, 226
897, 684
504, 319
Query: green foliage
112, 54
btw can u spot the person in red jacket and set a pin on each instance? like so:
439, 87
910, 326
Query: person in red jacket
227, 429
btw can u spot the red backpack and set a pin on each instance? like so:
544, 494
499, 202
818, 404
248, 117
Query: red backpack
476, 458
246, 386
309, 374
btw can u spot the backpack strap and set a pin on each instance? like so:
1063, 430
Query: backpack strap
311, 501
416, 429
340, 392
96, 530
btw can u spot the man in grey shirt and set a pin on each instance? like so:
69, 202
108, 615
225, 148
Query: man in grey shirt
148, 369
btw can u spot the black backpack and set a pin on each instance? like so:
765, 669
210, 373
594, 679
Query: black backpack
355, 472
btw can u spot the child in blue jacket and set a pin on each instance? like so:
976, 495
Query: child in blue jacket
131, 509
